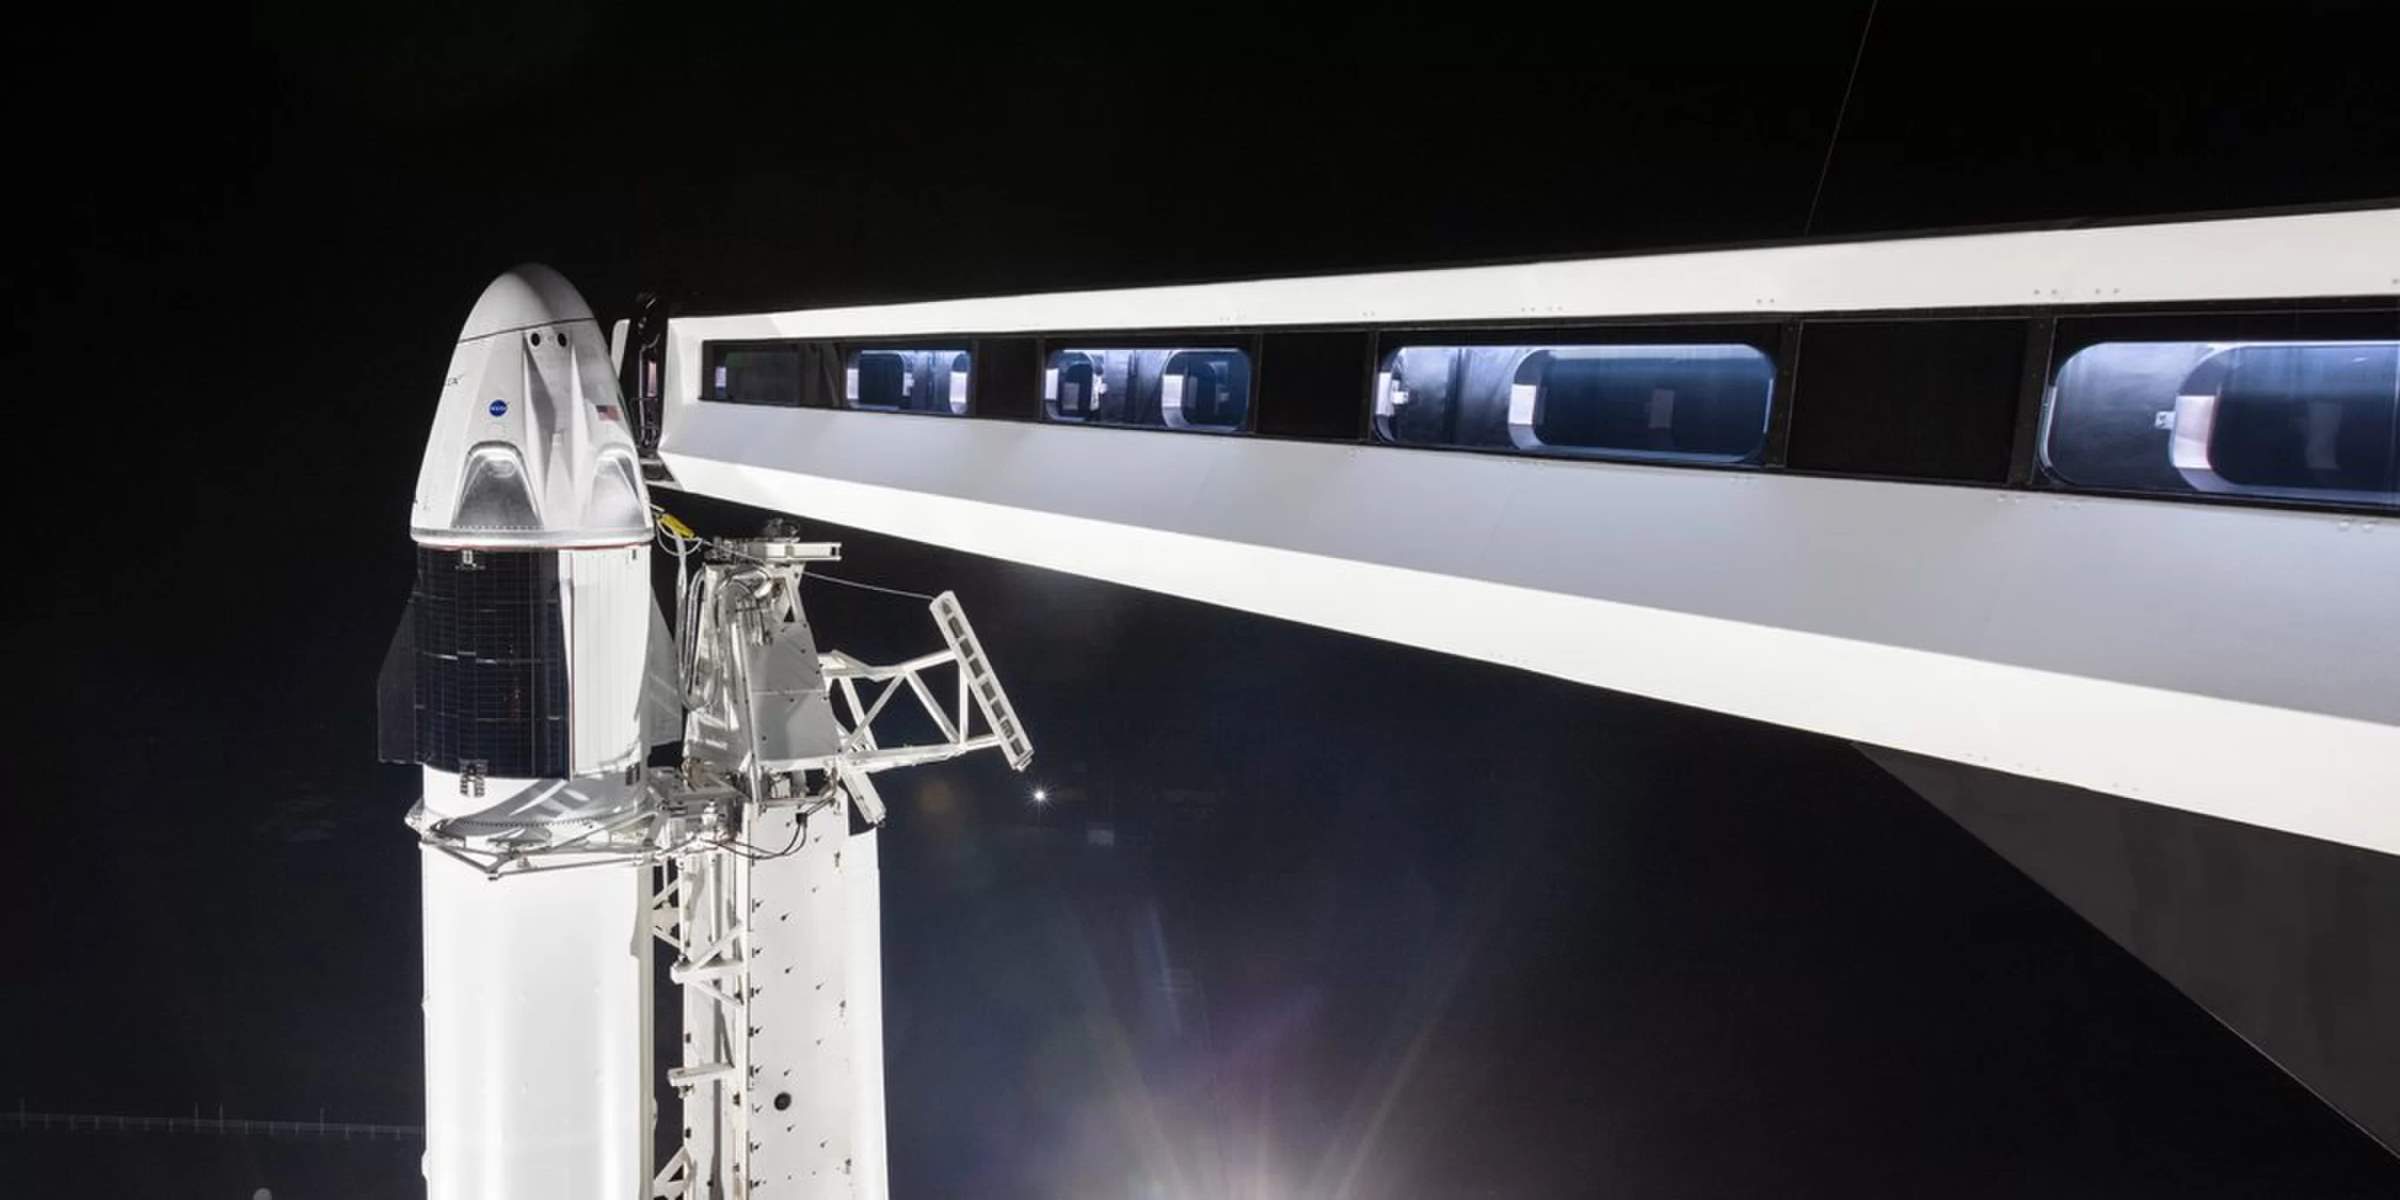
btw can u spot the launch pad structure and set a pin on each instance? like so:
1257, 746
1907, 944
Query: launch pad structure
2074, 531
769, 898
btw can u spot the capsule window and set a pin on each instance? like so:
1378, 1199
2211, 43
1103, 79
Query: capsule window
902, 380
1679, 403
1206, 389
2314, 420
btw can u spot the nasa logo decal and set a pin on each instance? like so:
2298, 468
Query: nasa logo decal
499, 408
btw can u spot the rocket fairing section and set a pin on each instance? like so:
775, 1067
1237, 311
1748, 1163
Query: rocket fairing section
517, 684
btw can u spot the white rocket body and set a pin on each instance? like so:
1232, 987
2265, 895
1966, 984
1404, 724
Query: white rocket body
531, 621
535, 1071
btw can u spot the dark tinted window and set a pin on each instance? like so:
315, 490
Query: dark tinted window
764, 373
907, 380
2315, 420
1198, 388
1908, 399
1008, 378
1676, 402
1314, 385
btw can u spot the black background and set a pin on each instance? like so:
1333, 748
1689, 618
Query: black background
1376, 922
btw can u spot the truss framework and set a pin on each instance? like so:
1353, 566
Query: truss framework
773, 818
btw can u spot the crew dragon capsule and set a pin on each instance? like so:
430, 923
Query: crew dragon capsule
528, 679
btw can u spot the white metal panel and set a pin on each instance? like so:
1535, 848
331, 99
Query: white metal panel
2281, 608
607, 604
2318, 254
2234, 662
536, 1080
808, 1091
862, 881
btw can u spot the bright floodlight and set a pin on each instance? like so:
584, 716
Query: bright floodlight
1041, 795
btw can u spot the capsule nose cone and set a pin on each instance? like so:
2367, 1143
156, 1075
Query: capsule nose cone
524, 297
529, 447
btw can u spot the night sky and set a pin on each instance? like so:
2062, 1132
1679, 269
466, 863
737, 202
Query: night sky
1311, 915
